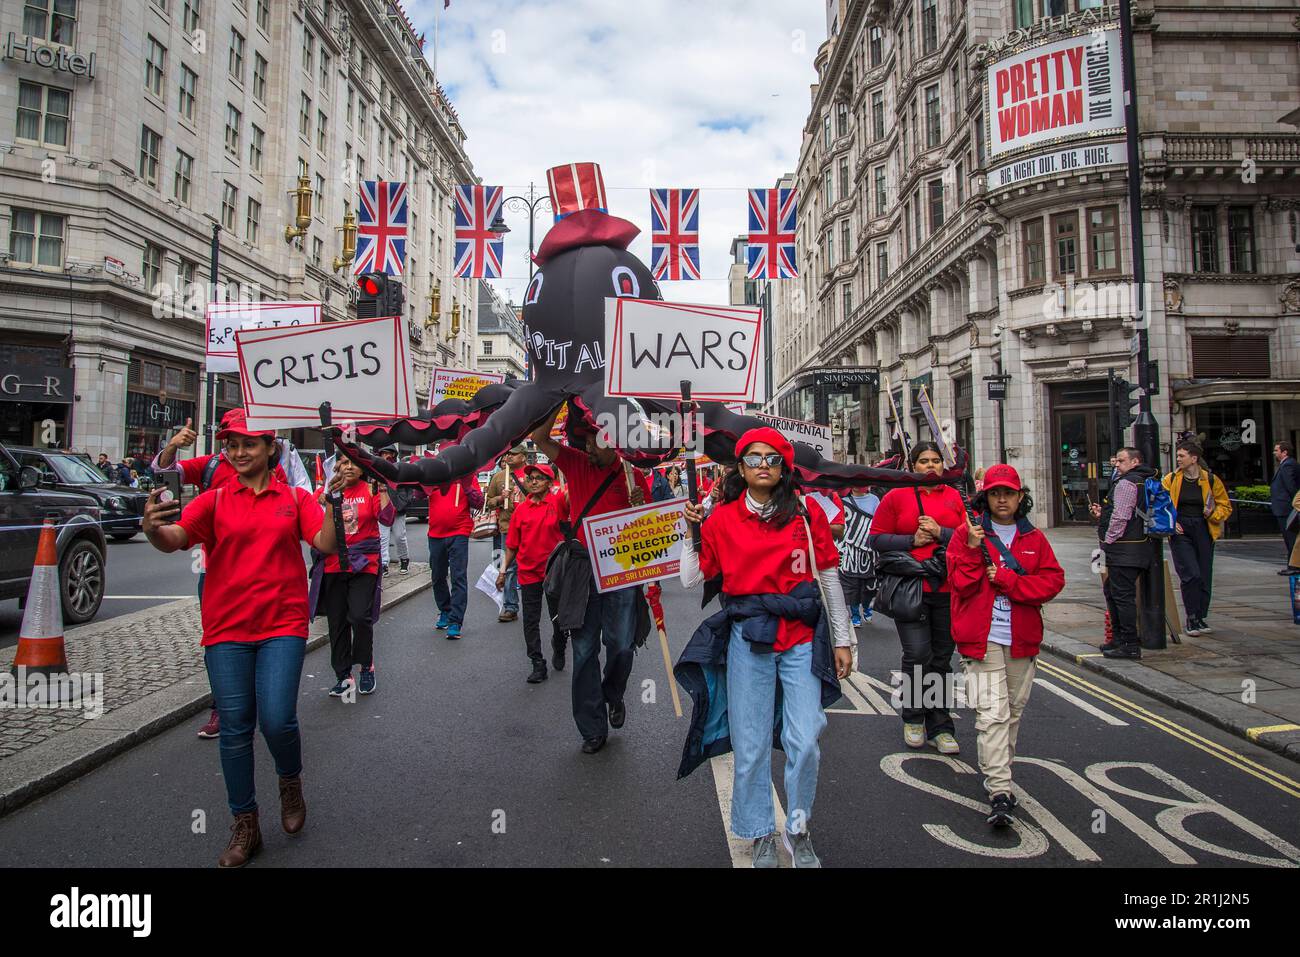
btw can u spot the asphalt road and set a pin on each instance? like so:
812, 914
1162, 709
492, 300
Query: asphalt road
457, 762
139, 576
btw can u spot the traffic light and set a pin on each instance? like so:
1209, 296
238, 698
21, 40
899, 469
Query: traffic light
1124, 404
379, 294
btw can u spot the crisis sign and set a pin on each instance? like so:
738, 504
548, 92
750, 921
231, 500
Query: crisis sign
1066, 88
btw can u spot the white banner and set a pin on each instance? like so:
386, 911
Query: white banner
1063, 89
224, 319
361, 367
809, 433
1075, 159
651, 346
636, 545
449, 383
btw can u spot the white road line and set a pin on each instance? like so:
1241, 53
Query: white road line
724, 773
1081, 704
146, 597
851, 693
863, 683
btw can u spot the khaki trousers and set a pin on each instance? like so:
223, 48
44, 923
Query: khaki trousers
997, 688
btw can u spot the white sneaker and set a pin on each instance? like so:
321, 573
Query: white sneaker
945, 743
914, 735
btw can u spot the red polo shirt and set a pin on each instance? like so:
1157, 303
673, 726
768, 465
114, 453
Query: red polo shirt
449, 509
583, 479
361, 514
755, 557
897, 514
192, 472
534, 533
256, 584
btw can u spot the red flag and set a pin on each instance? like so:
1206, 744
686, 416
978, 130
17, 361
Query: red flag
653, 595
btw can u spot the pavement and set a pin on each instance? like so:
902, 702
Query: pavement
456, 761
1243, 677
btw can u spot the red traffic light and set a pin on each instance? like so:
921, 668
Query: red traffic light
368, 286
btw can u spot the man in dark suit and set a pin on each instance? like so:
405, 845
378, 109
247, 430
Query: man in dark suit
1286, 481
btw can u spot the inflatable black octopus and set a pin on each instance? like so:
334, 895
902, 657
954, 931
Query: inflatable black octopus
582, 261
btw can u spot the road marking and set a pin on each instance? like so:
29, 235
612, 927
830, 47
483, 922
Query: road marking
1081, 704
1096, 654
1227, 755
864, 684
146, 597
859, 702
724, 775
1254, 733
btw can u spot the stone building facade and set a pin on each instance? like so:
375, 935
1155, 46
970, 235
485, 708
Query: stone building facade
500, 335
200, 114
940, 244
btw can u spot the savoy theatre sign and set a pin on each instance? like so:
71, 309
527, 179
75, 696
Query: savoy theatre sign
1054, 104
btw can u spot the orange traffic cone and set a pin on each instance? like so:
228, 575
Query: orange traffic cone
40, 642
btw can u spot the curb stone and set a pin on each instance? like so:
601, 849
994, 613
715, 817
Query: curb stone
37, 771
1230, 716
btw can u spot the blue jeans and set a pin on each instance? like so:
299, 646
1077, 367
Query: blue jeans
610, 619
450, 555
751, 700
255, 683
511, 600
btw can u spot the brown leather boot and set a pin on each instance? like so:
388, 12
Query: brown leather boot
245, 841
293, 809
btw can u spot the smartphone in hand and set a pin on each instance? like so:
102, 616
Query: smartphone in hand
171, 492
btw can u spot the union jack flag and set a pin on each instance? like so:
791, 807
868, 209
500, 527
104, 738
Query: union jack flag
770, 251
478, 249
675, 233
381, 228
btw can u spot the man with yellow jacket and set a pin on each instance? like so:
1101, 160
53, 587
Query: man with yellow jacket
1203, 507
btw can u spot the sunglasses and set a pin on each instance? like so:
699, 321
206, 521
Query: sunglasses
755, 460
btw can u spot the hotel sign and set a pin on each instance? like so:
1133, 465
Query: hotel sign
58, 58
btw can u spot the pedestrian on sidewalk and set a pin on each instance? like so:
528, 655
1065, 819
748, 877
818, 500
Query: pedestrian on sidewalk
1001, 572
400, 498
504, 492
1128, 549
254, 616
921, 521
857, 559
534, 532
1285, 484
598, 484
1203, 507
351, 595
774, 554
449, 526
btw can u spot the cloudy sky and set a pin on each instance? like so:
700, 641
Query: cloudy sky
695, 93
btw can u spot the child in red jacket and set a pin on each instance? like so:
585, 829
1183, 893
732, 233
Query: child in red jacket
1000, 574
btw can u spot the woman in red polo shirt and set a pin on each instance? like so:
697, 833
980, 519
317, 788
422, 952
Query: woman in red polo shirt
921, 520
254, 616
533, 534
757, 539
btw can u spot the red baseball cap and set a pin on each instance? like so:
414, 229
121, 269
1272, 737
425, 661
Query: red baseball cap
1001, 476
235, 422
768, 436
538, 467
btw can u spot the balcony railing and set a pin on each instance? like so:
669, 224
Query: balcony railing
1230, 148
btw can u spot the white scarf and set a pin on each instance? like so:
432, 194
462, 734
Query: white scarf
763, 510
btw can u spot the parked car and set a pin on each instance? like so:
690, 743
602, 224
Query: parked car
24, 505
122, 507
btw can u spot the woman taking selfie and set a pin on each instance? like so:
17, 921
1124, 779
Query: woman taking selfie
920, 521
254, 615
1203, 507
771, 643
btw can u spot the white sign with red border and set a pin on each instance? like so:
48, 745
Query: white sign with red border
651, 346
362, 368
809, 433
1064, 89
224, 319
636, 545
449, 383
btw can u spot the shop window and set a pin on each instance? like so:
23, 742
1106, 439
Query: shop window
151, 377
1065, 243
1103, 240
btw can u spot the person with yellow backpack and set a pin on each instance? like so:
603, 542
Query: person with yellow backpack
1203, 507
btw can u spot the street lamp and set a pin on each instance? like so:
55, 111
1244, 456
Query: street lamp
519, 204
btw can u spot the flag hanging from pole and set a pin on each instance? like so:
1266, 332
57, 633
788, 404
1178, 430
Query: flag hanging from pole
675, 233
479, 251
770, 249
381, 228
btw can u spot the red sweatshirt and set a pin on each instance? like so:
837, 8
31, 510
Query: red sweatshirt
973, 593
897, 514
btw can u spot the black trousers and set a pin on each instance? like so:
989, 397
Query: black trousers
1121, 598
927, 650
858, 590
349, 597
531, 605
1288, 538
1193, 553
